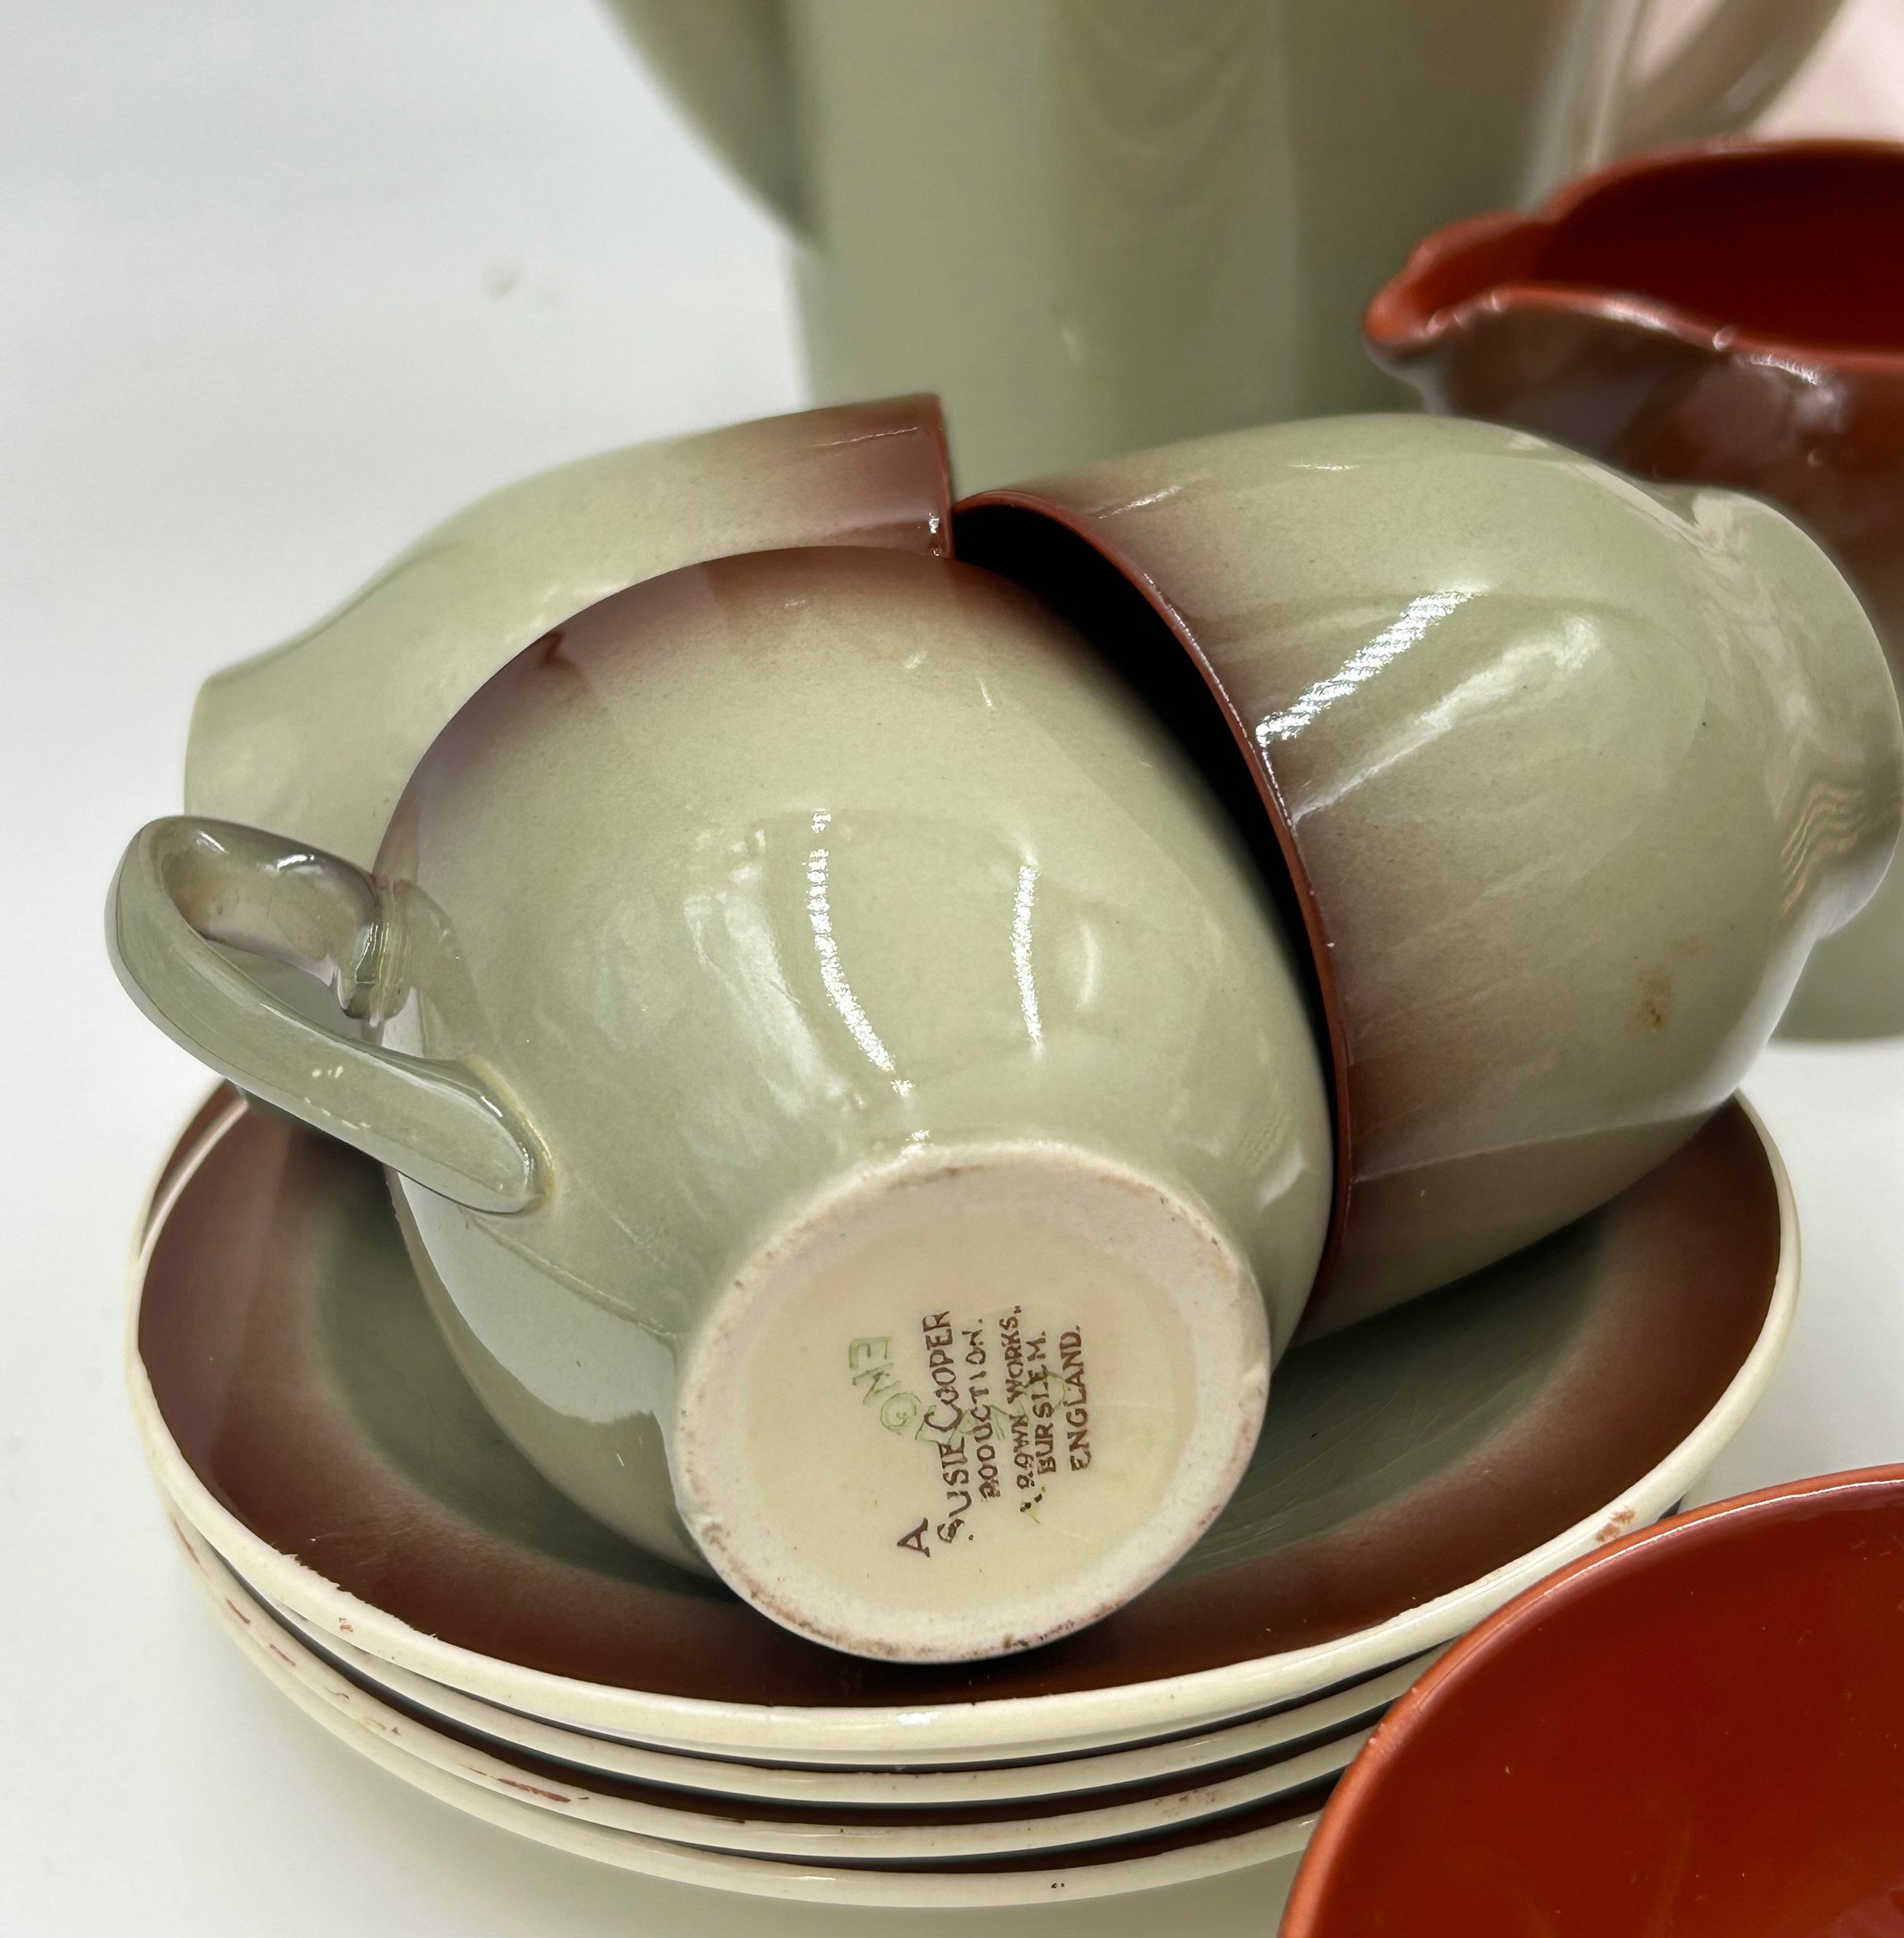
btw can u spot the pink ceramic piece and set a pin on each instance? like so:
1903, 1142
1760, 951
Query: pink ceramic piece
1695, 1732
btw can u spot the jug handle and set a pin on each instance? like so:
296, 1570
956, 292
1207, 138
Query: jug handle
1729, 70
728, 64
186, 883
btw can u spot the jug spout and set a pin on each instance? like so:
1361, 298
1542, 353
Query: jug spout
1454, 267
1724, 313
1478, 326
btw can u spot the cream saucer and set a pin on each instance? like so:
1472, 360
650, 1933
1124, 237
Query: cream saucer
975, 1832
1271, 1835
1346, 1711
1414, 1472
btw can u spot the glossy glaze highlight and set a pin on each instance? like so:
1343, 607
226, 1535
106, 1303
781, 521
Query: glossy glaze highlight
850, 946
1569, 774
1732, 315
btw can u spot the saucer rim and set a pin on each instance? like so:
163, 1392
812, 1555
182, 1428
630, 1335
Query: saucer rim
760, 1876
1357, 1706
731, 1825
1000, 1730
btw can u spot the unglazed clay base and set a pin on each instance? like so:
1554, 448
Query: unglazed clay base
971, 1402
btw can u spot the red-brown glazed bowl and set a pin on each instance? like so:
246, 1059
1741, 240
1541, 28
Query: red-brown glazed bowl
1731, 313
1698, 1730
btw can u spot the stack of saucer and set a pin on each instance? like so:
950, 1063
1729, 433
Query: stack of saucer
384, 1554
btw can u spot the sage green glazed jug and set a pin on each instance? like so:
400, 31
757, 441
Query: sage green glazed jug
1095, 225
833, 1049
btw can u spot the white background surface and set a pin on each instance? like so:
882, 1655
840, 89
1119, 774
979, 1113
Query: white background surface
279, 287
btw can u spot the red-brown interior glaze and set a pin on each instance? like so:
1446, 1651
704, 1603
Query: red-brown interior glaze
1453, 266
1799, 243
1803, 244
1068, 562
1699, 1731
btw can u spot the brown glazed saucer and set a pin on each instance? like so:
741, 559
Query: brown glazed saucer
1695, 1732
1414, 1472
